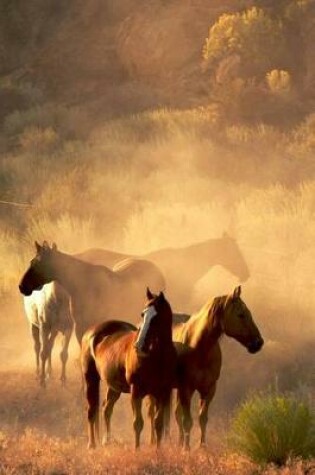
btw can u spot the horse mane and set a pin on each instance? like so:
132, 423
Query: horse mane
206, 319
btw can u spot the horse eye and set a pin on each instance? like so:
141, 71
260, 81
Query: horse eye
241, 315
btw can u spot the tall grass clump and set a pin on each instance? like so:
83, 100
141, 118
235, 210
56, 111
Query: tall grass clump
273, 428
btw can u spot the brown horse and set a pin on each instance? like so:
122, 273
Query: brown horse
95, 291
199, 355
140, 362
183, 267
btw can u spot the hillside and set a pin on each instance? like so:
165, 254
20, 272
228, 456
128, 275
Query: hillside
113, 57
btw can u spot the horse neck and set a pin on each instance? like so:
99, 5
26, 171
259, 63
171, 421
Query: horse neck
200, 257
72, 274
201, 332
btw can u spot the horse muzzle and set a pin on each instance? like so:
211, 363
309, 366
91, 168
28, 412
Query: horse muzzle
24, 290
255, 345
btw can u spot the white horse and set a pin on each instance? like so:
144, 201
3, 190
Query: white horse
48, 313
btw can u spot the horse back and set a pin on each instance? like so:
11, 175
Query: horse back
141, 272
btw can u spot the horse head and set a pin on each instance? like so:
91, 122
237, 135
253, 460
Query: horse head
232, 258
156, 328
40, 269
234, 319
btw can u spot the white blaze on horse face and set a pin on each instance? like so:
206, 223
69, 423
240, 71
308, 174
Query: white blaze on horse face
148, 314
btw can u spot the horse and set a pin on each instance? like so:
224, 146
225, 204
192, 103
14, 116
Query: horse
48, 313
184, 266
96, 292
129, 361
199, 356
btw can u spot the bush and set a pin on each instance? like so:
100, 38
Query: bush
272, 428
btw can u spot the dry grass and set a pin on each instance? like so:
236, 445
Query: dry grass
43, 432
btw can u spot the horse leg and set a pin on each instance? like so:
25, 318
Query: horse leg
185, 396
151, 414
138, 423
36, 339
64, 354
167, 417
159, 419
108, 406
92, 391
51, 340
179, 420
203, 412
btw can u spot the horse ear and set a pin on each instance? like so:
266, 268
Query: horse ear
54, 246
149, 294
237, 292
161, 295
37, 247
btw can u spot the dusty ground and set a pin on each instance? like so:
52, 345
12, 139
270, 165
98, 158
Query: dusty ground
43, 432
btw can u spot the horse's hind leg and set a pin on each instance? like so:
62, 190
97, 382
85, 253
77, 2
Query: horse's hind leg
203, 412
44, 353
138, 423
36, 339
92, 388
108, 406
64, 354
50, 344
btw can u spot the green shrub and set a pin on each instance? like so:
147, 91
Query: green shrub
272, 428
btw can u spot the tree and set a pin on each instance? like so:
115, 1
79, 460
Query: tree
253, 36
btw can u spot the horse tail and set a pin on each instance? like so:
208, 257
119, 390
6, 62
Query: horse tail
92, 346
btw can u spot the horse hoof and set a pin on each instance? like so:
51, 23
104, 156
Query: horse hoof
91, 445
42, 383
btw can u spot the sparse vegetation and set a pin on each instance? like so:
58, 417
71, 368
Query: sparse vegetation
273, 428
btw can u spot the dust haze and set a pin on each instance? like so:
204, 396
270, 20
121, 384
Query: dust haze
122, 147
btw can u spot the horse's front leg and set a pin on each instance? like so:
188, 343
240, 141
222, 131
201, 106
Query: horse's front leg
205, 399
185, 395
151, 414
136, 401
179, 420
108, 406
159, 419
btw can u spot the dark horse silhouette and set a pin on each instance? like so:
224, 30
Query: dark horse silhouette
140, 362
183, 267
96, 292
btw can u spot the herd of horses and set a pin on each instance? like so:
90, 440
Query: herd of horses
167, 351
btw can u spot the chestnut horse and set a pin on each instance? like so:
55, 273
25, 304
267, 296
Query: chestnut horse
184, 266
48, 313
140, 362
199, 354
95, 291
